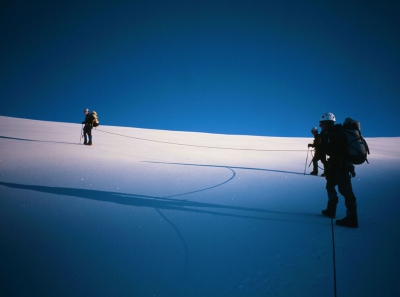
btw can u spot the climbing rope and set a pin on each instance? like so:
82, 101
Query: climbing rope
334, 258
193, 145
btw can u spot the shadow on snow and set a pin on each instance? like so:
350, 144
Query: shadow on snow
159, 203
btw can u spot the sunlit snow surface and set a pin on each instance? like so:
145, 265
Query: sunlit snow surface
163, 213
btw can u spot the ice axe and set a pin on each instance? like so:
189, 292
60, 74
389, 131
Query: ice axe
80, 138
305, 165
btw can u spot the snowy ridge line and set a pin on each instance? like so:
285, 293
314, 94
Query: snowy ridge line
202, 146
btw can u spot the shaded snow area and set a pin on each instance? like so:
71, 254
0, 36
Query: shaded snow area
163, 213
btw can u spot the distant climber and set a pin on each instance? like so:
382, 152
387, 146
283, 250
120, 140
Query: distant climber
319, 154
87, 129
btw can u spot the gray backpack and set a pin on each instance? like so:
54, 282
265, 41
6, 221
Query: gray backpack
357, 146
95, 119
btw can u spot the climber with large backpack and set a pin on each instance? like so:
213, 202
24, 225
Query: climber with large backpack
88, 126
339, 170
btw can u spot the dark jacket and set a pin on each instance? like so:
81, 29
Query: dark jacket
88, 120
317, 143
336, 149
336, 145
319, 146
88, 123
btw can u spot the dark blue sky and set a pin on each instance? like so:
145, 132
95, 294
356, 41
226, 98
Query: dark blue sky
237, 67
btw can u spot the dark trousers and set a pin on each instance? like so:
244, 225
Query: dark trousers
340, 177
87, 133
316, 158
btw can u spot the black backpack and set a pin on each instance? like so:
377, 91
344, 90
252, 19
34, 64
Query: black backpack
95, 119
357, 147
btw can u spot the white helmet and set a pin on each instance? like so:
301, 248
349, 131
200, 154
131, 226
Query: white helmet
327, 117
315, 129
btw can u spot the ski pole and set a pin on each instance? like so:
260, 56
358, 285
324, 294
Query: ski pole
305, 165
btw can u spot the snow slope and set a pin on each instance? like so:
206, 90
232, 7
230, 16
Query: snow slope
164, 213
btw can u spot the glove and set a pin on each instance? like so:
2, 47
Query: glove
351, 169
352, 172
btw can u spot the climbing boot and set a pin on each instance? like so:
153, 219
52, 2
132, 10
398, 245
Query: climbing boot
330, 210
348, 221
329, 213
